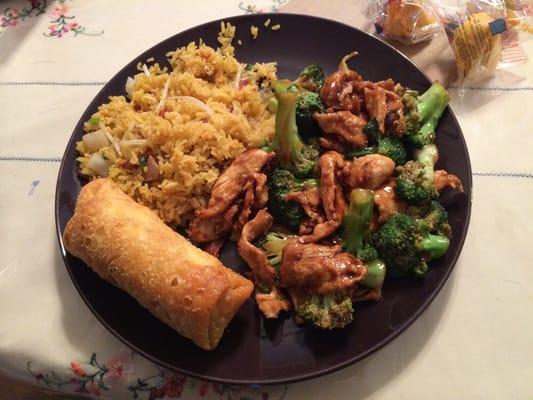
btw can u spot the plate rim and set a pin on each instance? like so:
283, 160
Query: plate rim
297, 377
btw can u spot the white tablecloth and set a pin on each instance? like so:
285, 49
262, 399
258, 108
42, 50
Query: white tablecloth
474, 341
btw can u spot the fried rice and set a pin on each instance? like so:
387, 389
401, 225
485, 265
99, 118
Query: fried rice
167, 141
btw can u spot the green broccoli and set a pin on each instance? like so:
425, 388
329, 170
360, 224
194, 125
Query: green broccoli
327, 311
280, 184
292, 153
356, 236
389, 146
356, 225
422, 113
273, 244
406, 248
392, 147
306, 104
311, 78
415, 179
432, 217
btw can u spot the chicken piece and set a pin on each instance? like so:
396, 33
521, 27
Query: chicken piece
333, 143
332, 196
261, 191
311, 203
232, 181
376, 105
214, 247
309, 200
214, 228
245, 210
256, 259
271, 304
338, 91
391, 105
344, 124
367, 172
389, 85
212, 222
319, 269
387, 202
443, 179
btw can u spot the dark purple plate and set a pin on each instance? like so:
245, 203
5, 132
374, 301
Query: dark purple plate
255, 351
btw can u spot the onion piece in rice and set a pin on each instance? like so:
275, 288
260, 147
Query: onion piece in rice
164, 95
237, 80
94, 141
129, 87
125, 145
116, 144
146, 70
99, 165
195, 101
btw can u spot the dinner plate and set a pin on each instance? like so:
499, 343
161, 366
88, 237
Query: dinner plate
254, 350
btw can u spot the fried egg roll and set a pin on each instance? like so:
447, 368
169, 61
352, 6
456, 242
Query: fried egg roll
126, 244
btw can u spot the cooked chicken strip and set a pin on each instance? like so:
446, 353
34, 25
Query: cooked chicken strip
319, 269
367, 172
255, 258
443, 179
238, 179
332, 196
344, 124
261, 191
333, 143
387, 202
309, 200
271, 304
338, 91
232, 181
376, 105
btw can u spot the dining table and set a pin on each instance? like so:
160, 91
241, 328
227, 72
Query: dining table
474, 341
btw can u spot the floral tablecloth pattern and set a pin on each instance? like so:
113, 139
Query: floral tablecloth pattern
473, 342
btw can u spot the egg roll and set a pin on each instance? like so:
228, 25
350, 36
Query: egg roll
126, 244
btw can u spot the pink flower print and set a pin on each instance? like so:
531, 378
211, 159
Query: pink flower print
173, 387
119, 368
92, 388
59, 10
73, 25
203, 388
77, 369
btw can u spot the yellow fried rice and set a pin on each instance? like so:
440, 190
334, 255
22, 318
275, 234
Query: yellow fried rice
193, 120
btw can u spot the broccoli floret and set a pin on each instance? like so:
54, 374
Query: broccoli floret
422, 113
356, 236
280, 184
327, 311
405, 248
375, 273
292, 153
393, 148
356, 224
415, 179
389, 146
306, 104
311, 78
412, 184
432, 218
273, 244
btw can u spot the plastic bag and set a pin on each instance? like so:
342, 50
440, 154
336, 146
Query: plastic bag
407, 21
480, 36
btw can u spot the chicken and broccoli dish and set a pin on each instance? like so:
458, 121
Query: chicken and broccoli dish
343, 196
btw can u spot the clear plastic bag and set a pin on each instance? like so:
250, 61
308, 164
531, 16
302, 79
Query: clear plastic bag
407, 21
480, 36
